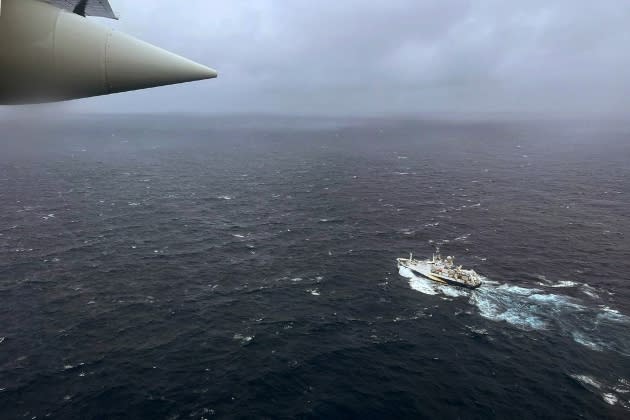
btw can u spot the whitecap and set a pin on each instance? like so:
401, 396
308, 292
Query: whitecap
330, 220
565, 283
453, 291
477, 330
580, 338
622, 387
610, 398
589, 291
612, 315
244, 339
587, 380
612, 394
518, 290
423, 286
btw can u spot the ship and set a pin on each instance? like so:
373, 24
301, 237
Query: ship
441, 270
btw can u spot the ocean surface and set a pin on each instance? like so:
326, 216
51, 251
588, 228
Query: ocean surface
178, 267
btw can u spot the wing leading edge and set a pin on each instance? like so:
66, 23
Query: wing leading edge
100, 8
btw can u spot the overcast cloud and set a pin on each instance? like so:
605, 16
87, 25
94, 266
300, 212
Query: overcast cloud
385, 56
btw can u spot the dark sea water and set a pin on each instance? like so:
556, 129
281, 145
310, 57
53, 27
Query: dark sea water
185, 267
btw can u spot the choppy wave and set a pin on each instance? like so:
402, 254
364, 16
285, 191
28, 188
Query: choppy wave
568, 284
565, 283
613, 393
244, 339
598, 327
203, 248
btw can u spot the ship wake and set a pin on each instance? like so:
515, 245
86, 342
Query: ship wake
596, 327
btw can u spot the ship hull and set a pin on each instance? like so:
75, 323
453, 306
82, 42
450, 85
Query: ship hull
424, 270
452, 282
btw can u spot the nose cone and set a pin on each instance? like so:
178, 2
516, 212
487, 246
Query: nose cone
133, 64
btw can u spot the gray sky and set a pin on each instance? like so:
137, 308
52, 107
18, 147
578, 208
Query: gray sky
385, 56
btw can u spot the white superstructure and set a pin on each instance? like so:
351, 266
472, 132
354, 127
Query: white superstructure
441, 270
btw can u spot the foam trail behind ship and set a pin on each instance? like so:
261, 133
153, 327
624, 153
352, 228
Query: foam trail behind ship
597, 327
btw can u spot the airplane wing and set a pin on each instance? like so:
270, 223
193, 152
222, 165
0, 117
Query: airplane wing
99, 8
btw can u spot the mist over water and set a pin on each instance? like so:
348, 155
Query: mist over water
178, 267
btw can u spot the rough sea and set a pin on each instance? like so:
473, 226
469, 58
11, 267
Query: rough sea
188, 267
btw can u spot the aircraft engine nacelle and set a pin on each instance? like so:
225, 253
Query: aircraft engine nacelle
50, 54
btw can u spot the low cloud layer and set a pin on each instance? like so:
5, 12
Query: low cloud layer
386, 57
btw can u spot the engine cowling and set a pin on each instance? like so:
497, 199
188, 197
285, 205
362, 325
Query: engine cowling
49, 54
